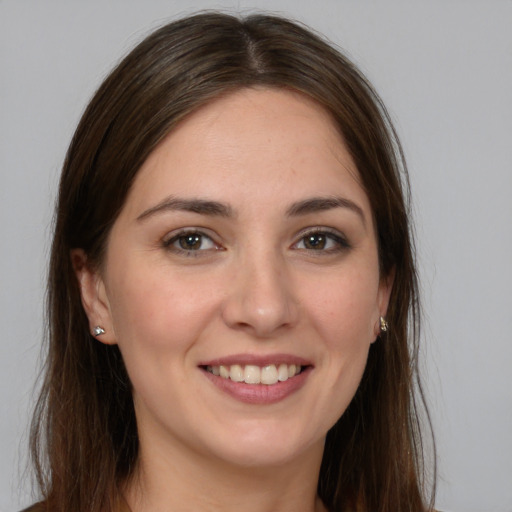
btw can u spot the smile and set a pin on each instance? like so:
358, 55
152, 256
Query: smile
252, 374
258, 379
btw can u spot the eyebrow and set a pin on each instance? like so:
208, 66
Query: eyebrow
200, 206
319, 204
217, 209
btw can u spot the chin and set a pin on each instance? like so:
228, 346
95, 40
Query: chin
267, 446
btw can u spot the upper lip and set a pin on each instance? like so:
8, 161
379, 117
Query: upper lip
257, 360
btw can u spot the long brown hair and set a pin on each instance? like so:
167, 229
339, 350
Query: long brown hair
84, 436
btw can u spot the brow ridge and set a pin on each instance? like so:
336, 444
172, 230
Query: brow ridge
215, 208
194, 205
318, 204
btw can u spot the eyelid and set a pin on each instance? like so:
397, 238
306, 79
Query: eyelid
170, 238
331, 233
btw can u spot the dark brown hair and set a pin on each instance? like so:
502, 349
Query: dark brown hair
84, 437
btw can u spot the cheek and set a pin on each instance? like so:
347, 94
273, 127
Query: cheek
158, 319
345, 307
155, 311
342, 312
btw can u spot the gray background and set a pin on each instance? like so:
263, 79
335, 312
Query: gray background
444, 68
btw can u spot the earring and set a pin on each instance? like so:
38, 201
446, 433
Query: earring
383, 324
98, 331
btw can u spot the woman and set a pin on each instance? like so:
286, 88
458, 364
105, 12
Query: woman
232, 297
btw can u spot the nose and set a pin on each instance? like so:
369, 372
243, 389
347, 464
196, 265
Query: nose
261, 300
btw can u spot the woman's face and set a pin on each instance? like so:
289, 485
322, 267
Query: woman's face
241, 281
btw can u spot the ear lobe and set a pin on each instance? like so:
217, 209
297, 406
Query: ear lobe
385, 287
94, 297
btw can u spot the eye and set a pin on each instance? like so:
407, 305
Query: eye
322, 240
190, 241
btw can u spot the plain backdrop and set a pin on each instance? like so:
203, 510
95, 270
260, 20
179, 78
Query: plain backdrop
444, 69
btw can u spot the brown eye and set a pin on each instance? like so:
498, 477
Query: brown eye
316, 241
191, 242
322, 241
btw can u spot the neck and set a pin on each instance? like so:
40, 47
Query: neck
190, 482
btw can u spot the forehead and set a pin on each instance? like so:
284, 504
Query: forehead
277, 142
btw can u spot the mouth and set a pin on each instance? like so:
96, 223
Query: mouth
258, 379
266, 375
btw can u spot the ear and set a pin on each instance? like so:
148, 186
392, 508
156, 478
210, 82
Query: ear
384, 293
94, 297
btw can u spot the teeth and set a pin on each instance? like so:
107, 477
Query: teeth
269, 374
252, 374
282, 372
236, 373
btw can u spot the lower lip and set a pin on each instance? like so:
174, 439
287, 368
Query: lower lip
260, 393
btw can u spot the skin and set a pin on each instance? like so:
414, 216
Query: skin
251, 284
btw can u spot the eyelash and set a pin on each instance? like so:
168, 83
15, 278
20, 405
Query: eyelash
339, 240
169, 243
330, 236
